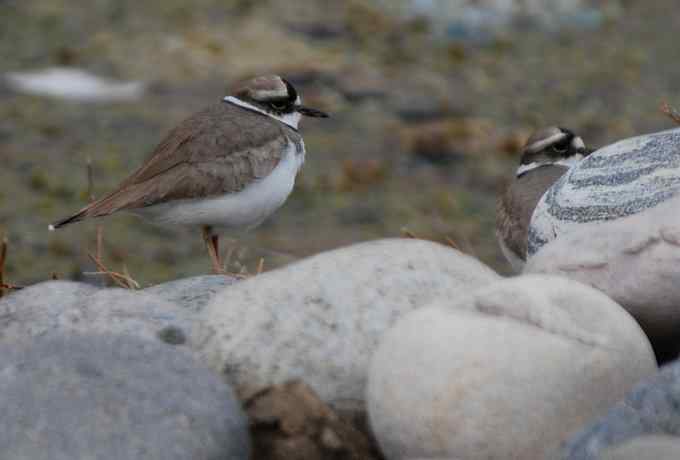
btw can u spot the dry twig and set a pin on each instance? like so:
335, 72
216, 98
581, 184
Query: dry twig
453, 244
670, 112
4, 287
131, 282
90, 180
406, 233
123, 280
3, 256
91, 197
100, 242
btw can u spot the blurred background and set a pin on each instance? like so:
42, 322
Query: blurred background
431, 102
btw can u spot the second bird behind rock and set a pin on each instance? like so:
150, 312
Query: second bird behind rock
546, 156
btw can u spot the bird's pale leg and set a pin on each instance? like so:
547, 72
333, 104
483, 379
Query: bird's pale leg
212, 244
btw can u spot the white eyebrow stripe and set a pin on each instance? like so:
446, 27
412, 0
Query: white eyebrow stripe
269, 93
540, 145
290, 119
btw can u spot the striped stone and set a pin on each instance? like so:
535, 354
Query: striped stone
616, 181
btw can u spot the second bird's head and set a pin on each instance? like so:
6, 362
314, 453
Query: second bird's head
552, 146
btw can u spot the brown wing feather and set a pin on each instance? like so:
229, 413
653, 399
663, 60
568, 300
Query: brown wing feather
217, 151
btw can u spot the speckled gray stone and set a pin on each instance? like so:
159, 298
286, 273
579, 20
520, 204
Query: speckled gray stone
619, 180
61, 294
192, 293
320, 319
114, 397
68, 306
651, 408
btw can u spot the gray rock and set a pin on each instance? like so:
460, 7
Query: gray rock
645, 447
506, 372
620, 180
320, 319
61, 294
651, 408
68, 306
635, 260
114, 397
191, 293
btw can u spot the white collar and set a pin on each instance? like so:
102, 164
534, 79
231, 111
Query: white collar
568, 162
289, 119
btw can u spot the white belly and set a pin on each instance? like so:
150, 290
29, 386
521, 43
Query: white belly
242, 210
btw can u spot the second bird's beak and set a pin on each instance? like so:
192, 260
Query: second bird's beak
308, 112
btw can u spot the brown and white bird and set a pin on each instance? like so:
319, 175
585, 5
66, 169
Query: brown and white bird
546, 156
227, 167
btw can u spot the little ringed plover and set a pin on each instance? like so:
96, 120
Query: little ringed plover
228, 167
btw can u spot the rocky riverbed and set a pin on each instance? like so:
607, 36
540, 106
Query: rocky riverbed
396, 349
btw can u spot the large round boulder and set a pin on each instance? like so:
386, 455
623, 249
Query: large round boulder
508, 371
320, 319
192, 293
634, 260
75, 307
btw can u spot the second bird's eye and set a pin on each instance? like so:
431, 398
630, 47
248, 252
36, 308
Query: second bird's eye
279, 106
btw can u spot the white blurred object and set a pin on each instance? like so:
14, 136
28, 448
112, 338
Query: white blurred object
73, 84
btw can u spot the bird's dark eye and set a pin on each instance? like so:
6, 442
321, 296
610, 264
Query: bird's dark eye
279, 105
559, 148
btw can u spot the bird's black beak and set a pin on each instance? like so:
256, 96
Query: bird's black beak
308, 112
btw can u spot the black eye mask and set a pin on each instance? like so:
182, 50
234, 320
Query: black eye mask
283, 105
292, 92
563, 147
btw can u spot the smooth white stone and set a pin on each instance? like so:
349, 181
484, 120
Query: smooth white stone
635, 261
507, 372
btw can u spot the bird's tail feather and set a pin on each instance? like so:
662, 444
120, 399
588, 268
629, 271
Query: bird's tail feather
77, 217
130, 197
98, 208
